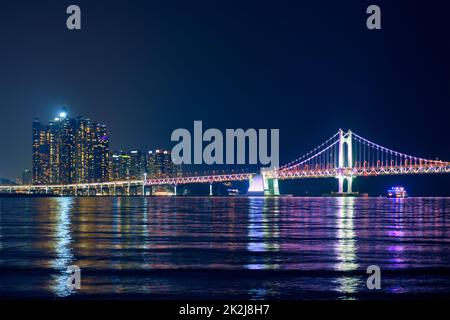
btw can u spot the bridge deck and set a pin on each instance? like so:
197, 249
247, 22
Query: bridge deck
362, 171
282, 175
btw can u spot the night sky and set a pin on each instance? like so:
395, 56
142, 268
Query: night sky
145, 68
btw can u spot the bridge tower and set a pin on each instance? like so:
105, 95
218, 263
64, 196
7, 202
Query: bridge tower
345, 163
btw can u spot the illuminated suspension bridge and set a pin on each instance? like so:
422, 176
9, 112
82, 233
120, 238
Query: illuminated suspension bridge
348, 155
343, 156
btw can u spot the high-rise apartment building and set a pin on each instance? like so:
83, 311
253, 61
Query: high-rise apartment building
120, 166
160, 165
138, 165
66, 142
27, 177
41, 155
101, 153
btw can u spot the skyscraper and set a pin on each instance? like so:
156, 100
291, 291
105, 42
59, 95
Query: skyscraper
101, 153
54, 145
137, 165
60, 138
160, 165
84, 154
27, 177
41, 161
120, 166
67, 150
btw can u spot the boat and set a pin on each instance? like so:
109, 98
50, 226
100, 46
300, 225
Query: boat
232, 192
397, 192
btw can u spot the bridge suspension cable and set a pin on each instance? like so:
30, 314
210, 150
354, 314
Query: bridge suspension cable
369, 154
321, 154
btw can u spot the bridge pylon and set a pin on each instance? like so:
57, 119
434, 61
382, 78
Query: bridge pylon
345, 161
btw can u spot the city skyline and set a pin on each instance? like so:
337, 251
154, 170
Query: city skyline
71, 150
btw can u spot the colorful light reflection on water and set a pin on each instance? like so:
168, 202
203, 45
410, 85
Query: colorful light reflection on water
212, 248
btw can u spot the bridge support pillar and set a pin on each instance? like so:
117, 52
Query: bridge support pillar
270, 184
341, 180
210, 189
175, 190
276, 190
271, 187
349, 184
